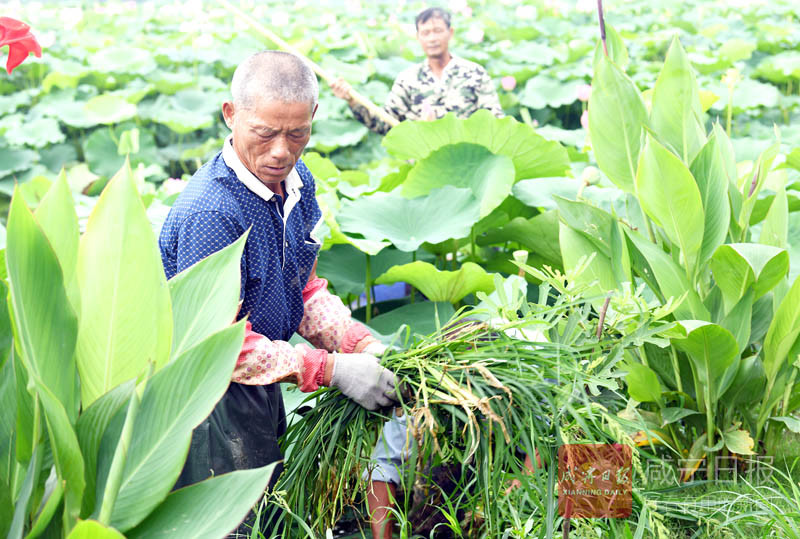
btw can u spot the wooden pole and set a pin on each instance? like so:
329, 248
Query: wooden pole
362, 100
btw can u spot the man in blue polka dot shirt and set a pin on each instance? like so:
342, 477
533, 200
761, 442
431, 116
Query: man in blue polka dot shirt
259, 183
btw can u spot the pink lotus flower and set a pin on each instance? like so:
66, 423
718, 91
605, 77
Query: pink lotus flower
584, 92
508, 83
466, 12
173, 186
585, 119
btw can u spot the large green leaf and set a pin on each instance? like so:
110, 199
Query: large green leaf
91, 529
56, 215
345, 267
737, 266
615, 46
15, 160
176, 400
329, 135
714, 169
748, 384
422, 317
489, 176
616, 116
676, 115
533, 156
738, 441
782, 332
670, 277
752, 184
444, 213
539, 235
90, 428
589, 220
643, 384
66, 450
109, 109
576, 248
24, 495
739, 320
205, 296
45, 324
544, 91
212, 508
669, 195
775, 230
438, 285
126, 319
712, 350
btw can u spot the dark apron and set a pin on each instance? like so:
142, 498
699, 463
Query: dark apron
241, 433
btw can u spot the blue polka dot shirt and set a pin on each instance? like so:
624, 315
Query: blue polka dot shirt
216, 208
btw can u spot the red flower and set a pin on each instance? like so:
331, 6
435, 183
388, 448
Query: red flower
17, 35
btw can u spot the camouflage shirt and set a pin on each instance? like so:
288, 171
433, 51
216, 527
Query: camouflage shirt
417, 94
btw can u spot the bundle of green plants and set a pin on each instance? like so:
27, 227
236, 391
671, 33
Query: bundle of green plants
478, 397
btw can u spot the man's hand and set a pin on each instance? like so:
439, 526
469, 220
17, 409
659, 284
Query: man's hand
341, 89
361, 377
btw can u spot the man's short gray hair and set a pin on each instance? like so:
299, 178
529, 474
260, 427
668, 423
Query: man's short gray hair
275, 75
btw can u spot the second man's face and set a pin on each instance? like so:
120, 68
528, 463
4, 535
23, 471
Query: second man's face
434, 36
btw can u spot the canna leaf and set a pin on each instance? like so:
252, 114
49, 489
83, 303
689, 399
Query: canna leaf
669, 195
616, 117
738, 266
44, 322
56, 215
714, 169
712, 350
677, 115
176, 399
643, 384
126, 318
205, 296
210, 508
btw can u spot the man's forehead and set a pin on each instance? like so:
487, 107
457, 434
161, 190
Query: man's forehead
434, 21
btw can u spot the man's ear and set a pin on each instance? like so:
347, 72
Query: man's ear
227, 113
313, 112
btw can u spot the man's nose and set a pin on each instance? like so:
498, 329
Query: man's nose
280, 148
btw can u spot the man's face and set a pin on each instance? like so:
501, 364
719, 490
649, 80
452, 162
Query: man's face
434, 36
269, 136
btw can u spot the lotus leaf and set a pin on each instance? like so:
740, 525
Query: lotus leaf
489, 176
436, 285
532, 155
445, 213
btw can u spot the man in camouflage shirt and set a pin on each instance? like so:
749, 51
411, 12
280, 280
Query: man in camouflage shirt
443, 83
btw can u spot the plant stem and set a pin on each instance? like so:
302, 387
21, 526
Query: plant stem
368, 291
413, 259
121, 454
709, 432
472, 244
602, 25
676, 369
730, 111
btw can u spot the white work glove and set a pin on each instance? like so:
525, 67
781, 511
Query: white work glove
361, 377
375, 348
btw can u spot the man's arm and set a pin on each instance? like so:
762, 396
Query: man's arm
397, 104
487, 95
327, 323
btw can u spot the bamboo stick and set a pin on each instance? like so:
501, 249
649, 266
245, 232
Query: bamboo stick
362, 100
